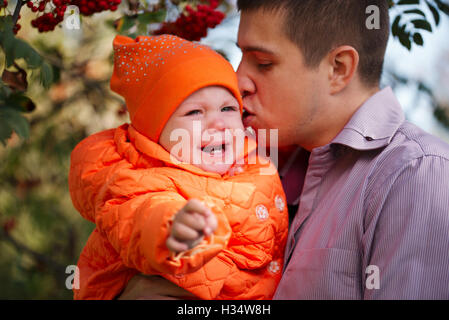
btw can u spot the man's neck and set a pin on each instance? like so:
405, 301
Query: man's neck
284, 154
345, 107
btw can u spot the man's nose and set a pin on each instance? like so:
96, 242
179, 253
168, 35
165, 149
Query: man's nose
246, 85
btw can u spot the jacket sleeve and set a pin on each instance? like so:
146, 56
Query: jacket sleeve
133, 209
138, 228
102, 274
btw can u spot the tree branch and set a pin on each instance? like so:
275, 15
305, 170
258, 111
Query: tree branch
15, 16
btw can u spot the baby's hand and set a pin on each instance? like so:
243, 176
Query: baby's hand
190, 225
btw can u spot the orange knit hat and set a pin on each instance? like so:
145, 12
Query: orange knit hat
156, 74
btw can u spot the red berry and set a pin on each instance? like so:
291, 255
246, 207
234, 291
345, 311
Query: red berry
9, 225
51, 18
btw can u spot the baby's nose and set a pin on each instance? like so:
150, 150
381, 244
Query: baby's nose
216, 122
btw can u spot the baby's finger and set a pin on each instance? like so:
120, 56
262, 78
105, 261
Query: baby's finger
211, 225
176, 246
195, 205
182, 232
195, 220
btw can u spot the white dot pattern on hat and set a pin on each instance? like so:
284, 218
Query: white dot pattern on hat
140, 59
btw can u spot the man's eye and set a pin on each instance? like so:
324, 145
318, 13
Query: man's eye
228, 108
193, 112
264, 66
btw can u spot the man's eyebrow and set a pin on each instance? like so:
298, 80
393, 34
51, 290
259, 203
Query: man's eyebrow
255, 48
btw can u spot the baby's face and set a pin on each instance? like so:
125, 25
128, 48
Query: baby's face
203, 130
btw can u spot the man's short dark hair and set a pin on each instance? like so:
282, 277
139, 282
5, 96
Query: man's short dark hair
318, 26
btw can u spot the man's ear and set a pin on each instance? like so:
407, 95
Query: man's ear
343, 63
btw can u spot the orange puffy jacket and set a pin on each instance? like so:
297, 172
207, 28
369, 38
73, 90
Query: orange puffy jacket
128, 186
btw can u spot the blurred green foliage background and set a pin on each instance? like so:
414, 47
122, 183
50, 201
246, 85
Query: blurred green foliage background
41, 232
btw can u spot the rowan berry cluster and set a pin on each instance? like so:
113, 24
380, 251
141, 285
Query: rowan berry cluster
194, 23
88, 7
51, 12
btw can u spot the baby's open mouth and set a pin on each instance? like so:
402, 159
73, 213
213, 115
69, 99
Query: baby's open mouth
215, 149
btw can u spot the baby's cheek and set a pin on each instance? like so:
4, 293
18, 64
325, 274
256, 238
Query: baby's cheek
182, 151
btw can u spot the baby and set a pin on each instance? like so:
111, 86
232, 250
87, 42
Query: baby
197, 211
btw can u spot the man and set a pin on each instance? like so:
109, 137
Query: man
371, 189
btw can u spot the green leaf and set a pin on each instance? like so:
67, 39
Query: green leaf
395, 26
7, 38
20, 102
126, 24
4, 92
33, 59
20, 49
7, 42
415, 11
6, 23
406, 2
422, 24
441, 115
435, 13
142, 29
152, 17
424, 88
46, 75
406, 42
56, 73
443, 6
404, 38
15, 48
417, 38
5, 131
13, 119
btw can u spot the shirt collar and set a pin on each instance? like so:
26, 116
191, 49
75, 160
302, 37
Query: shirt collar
374, 123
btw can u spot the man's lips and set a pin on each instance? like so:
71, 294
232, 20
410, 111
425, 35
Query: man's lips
247, 112
247, 116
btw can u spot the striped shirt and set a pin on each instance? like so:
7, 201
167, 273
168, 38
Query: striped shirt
373, 212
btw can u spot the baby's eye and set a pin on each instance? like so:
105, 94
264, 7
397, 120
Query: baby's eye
193, 112
228, 108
